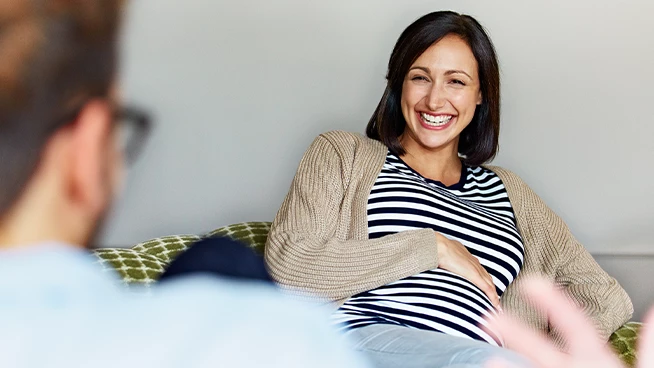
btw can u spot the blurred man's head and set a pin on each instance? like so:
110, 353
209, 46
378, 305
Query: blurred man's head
60, 155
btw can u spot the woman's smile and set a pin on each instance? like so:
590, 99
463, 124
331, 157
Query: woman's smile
436, 121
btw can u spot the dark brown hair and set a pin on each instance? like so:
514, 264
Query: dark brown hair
478, 142
55, 55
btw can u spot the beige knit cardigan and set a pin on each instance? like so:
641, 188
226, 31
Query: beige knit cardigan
319, 239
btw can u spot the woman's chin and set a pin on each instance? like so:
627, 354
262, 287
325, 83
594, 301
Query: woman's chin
435, 144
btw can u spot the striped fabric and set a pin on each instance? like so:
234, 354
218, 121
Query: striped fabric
476, 212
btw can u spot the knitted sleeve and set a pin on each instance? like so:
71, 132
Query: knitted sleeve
603, 300
597, 293
309, 250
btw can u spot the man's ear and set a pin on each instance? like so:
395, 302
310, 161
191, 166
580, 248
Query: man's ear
92, 139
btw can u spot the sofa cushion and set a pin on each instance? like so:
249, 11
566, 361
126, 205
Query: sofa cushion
145, 262
134, 267
166, 248
254, 234
624, 342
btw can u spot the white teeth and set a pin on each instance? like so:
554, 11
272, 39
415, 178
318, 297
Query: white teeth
436, 120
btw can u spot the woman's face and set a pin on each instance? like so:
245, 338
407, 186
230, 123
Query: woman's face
439, 96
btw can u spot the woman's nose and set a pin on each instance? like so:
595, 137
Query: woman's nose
436, 98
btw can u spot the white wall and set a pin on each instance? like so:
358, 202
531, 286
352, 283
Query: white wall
240, 88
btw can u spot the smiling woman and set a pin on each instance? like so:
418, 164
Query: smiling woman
440, 95
417, 242
460, 69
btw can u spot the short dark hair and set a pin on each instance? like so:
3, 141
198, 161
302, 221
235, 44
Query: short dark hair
55, 55
479, 140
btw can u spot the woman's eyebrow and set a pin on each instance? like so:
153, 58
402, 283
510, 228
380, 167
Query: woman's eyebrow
449, 72
423, 68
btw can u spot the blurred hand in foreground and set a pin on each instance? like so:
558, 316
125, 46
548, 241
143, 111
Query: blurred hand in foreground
585, 348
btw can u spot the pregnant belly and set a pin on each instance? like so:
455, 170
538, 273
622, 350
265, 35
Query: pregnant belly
436, 300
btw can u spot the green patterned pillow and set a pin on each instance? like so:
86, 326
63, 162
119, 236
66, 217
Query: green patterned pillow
133, 267
146, 261
624, 342
254, 234
166, 248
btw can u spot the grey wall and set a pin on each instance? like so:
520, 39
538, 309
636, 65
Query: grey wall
240, 88
635, 273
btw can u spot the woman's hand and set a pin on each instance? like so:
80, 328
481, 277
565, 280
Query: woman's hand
454, 257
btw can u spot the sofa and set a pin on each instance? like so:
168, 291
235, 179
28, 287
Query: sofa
142, 264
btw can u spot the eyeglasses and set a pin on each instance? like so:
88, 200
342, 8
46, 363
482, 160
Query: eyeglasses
133, 126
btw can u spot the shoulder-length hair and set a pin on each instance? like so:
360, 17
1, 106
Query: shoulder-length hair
478, 142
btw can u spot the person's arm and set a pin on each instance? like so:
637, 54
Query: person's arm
305, 252
600, 296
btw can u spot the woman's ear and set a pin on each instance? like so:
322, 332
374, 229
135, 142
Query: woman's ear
480, 98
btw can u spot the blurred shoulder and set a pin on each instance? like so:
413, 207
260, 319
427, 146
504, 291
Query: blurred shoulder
216, 290
246, 301
246, 313
197, 319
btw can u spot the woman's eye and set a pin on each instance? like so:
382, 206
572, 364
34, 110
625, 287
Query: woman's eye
420, 78
458, 81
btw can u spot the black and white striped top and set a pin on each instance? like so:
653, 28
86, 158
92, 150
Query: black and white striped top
476, 212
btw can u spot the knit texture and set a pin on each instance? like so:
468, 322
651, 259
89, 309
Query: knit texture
318, 244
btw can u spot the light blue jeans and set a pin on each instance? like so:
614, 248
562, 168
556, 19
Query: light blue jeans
391, 346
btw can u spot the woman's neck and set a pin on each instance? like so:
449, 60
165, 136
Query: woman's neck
443, 165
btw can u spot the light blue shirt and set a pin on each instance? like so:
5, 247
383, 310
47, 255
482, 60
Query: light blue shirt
59, 309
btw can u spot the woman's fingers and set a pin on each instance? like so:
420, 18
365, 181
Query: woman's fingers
478, 276
488, 286
455, 257
489, 289
489, 279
